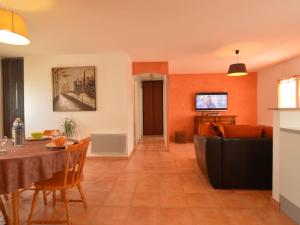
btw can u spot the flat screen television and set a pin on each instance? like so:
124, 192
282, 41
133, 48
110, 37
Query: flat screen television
211, 101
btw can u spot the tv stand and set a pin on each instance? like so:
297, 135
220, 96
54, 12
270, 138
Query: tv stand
225, 119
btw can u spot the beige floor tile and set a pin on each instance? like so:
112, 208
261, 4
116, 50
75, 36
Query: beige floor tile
118, 199
110, 216
157, 187
124, 186
145, 199
173, 200
176, 217
209, 216
243, 216
207, 200
143, 216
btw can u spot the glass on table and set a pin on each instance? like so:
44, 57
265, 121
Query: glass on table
3, 141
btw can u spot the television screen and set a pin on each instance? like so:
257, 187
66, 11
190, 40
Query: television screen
211, 101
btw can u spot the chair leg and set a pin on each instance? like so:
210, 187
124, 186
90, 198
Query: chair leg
5, 215
45, 197
33, 206
5, 196
15, 207
82, 195
54, 198
66, 202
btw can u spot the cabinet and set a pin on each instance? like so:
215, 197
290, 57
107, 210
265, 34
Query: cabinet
13, 92
225, 119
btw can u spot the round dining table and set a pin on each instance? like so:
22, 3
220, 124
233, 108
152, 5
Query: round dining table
21, 167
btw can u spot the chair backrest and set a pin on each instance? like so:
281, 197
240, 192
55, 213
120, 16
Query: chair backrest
51, 132
75, 160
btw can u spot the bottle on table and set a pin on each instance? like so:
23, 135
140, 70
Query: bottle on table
18, 132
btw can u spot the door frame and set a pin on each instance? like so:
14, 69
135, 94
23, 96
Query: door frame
138, 104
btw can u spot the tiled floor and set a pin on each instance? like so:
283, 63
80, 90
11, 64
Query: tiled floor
159, 187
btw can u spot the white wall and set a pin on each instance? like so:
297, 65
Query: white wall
113, 89
289, 181
267, 98
267, 87
281, 119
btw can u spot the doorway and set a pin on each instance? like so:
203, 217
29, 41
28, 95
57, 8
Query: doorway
153, 107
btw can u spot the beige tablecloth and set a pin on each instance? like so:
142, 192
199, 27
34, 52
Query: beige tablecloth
22, 166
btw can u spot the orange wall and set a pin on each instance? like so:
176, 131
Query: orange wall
150, 67
242, 98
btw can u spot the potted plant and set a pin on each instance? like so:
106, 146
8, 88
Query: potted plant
69, 127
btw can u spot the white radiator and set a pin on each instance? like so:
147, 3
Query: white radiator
109, 144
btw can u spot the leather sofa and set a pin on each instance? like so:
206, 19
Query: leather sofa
241, 163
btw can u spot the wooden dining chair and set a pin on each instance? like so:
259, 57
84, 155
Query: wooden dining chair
62, 181
4, 213
86, 142
51, 132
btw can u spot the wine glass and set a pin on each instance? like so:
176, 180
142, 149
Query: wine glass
2, 143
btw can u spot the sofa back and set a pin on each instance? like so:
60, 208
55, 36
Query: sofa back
247, 163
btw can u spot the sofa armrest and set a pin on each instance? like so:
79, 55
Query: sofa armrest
209, 157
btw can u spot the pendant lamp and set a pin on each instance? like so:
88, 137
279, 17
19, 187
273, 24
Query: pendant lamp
12, 28
237, 69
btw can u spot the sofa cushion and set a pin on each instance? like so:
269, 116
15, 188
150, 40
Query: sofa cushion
242, 131
267, 132
219, 129
206, 129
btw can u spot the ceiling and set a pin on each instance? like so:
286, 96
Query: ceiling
195, 36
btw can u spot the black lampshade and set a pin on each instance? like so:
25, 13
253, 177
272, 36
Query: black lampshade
237, 69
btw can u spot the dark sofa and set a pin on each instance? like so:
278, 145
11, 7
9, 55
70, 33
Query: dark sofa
243, 163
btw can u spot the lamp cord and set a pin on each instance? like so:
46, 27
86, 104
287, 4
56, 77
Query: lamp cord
237, 55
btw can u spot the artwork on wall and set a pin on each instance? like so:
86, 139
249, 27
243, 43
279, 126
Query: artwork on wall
74, 89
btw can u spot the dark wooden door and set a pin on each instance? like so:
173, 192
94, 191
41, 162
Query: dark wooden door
153, 107
13, 92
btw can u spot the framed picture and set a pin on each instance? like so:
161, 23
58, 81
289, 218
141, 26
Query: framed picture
74, 89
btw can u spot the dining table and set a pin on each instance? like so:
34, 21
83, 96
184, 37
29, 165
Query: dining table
21, 167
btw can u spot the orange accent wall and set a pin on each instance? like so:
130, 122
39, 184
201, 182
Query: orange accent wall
150, 67
242, 98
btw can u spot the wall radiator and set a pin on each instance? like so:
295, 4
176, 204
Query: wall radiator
109, 144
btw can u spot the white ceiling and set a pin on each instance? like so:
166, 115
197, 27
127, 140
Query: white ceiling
193, 35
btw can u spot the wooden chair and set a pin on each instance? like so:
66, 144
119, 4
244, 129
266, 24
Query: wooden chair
45, 193
3, 210
62, 181
51, 132
79, 187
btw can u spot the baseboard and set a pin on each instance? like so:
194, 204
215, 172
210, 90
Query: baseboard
290, 209
275, 203
131, 153
107, 157
110, 155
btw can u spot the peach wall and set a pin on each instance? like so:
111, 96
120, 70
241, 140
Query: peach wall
242, 98
150, 67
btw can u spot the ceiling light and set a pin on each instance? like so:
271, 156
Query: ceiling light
237, 69
12, 28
